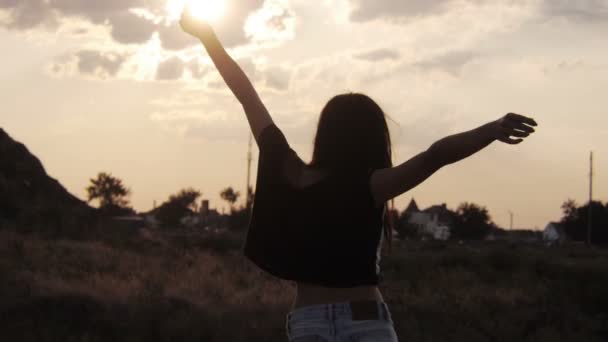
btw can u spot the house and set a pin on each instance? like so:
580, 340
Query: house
554, 233
434, 221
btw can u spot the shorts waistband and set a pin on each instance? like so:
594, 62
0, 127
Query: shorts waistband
355, 310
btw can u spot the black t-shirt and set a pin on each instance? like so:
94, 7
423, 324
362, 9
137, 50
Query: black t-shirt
328, 233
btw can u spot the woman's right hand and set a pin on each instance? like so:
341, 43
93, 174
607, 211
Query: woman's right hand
195, 26
512, 125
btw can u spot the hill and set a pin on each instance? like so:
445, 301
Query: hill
29, 196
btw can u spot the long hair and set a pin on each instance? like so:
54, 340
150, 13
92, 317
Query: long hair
353, 136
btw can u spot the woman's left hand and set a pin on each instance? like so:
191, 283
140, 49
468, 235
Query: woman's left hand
512, 125
194, 26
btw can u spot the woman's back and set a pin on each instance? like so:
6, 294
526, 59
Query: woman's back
311, 226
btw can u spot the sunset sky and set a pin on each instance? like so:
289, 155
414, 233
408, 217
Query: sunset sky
115, 86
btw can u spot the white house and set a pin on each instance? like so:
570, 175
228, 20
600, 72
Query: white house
554, 233
434, 221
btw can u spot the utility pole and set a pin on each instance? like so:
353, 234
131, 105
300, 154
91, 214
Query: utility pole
589, 224
510, 220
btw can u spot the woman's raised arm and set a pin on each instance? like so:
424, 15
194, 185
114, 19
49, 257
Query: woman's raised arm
238, 82
392, 182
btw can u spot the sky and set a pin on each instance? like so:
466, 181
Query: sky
115, 86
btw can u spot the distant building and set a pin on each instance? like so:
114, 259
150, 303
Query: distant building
204, 208
434, 221
210, 218
554, 233
412, 207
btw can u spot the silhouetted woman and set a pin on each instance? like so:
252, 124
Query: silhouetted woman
320, 224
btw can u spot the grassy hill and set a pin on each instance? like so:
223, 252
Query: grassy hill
181, 286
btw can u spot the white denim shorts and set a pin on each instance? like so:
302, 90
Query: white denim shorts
363, 321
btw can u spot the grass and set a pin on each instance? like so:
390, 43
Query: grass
188, 286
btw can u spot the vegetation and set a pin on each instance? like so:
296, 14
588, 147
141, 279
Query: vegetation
111, 193
172, 285
576, 220
177, 207
108, 190
471, 222
230, 196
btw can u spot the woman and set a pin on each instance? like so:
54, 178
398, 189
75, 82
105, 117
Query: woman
320, 224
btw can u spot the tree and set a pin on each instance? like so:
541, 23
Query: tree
109, 190
230, 196
576, 219
471, 222
177, 207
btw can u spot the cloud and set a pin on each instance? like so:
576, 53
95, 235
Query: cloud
170, 69
368, 10
378, 55
451, 62
400, 10
89, 63
126, 26
197, 70
27, 14
146, 32
250, 68
272, 24
278, 78
98, 63
579, 10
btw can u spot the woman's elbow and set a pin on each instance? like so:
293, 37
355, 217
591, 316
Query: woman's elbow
436, 157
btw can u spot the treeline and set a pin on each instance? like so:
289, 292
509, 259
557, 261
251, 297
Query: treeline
468, 221
112, 195
473, 221
576, 221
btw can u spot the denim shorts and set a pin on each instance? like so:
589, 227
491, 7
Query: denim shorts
341, 322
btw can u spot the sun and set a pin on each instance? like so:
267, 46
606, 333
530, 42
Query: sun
207, 10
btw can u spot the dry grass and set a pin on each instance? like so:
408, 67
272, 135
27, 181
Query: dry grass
195, 287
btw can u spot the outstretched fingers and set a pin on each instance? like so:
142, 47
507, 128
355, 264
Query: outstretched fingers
522, 119
516, 133
513, 128
509, 140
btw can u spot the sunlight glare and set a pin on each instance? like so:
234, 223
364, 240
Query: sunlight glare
207, 10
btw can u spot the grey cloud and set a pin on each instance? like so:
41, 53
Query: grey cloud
98, 63
8, 3
278, 78
171, 69
196, 69
451, 62
126, 27
378, 55
172, 38
367, 10
27, 14
250, 68
583, 10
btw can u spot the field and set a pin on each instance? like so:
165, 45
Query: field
189, 286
